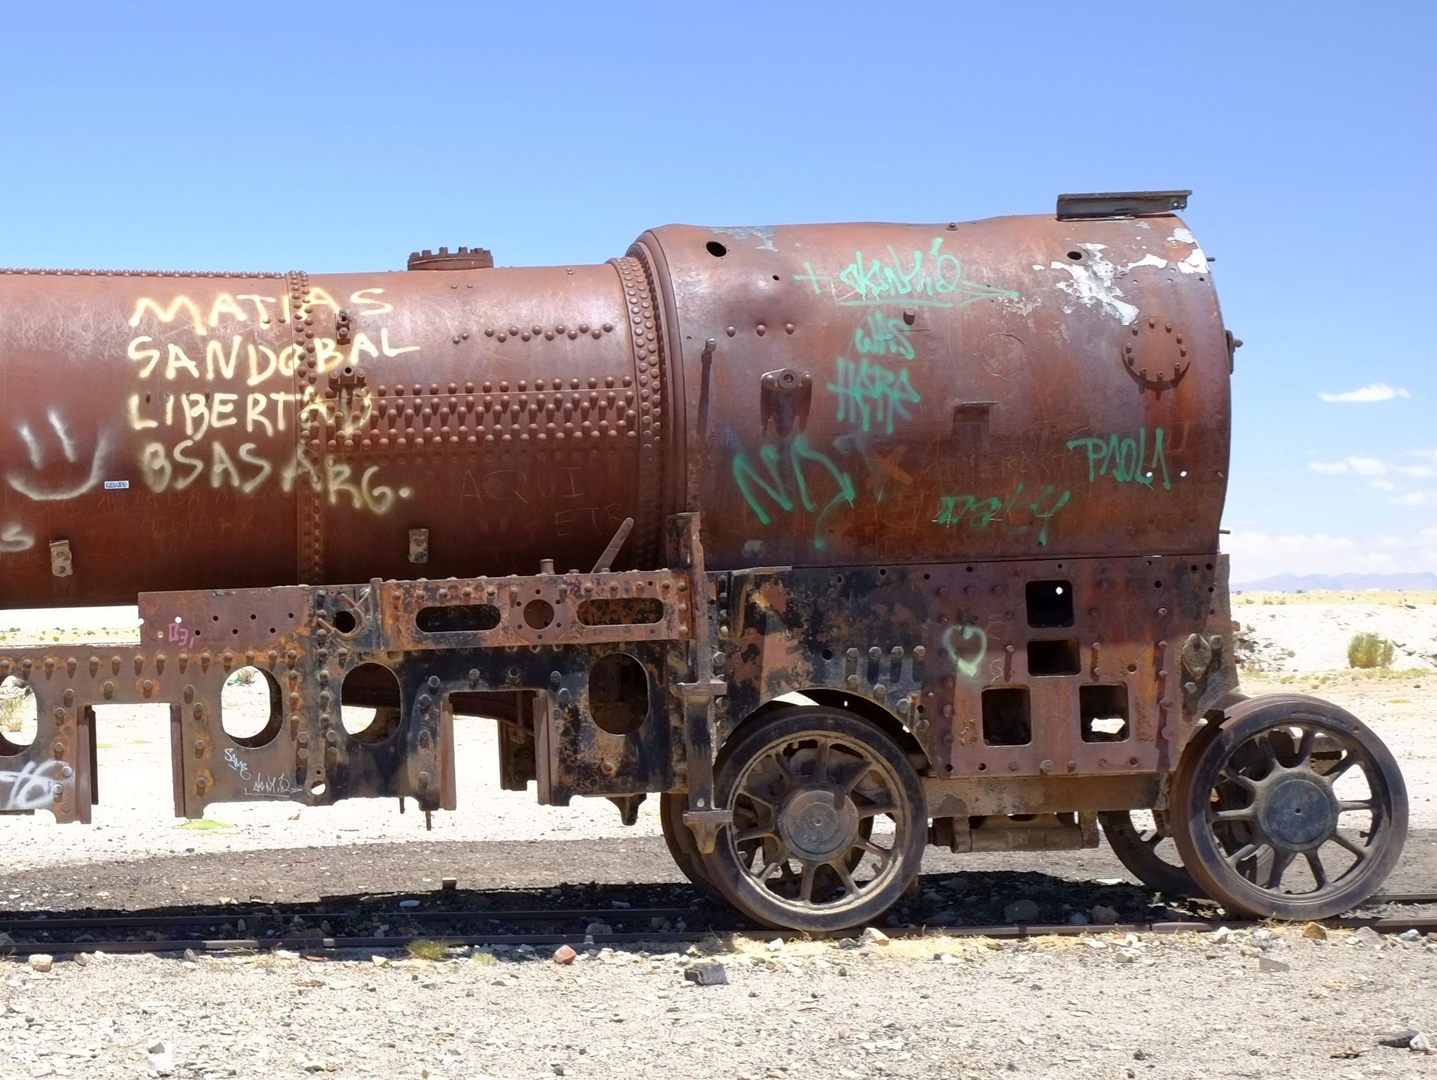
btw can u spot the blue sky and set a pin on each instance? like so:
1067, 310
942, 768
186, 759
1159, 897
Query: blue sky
342, 136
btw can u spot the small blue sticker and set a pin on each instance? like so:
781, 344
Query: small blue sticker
116, 485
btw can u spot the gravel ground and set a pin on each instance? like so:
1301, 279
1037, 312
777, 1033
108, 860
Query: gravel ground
1099, 1007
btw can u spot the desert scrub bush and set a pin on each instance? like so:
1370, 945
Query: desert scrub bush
15, 706
11, 716
1367, 650
424, 949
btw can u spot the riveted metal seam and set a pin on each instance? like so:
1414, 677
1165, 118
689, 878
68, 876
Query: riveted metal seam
649, 395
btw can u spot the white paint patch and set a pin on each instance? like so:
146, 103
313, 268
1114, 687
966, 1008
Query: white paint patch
1146, 260
1196, 263
15, 539
1039, 266
1092, 284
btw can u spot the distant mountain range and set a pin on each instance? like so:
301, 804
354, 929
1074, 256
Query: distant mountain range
1340, 582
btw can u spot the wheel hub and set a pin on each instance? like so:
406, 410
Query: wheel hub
1297, 811
818, 824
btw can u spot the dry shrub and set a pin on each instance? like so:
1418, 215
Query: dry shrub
424, 949
1367, 650
15, 707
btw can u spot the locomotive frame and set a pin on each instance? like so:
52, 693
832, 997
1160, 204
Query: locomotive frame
810, 728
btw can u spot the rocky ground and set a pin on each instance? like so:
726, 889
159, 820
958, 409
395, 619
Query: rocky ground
1242, 1005
1275, 1003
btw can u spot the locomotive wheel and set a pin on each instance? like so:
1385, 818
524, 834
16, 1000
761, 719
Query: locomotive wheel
1294, 809
1139, 843
1145, 847
682, 845
690, 860
829, 821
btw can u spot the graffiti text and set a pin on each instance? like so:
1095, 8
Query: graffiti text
1128, 458
871, 394
1014, 513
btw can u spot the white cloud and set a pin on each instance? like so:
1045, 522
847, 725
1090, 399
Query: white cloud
1371, 392
1384, 485
1256, 555
1417, 471
1418, 498
1362, 466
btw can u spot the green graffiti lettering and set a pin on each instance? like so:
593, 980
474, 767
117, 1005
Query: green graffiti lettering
1128, 457
801, 450
869, 393
926, 279
982, 512
882, 336
752, 484
745, 475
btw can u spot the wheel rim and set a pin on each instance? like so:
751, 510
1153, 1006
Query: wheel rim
1143, 843
803, 821
1281, 808
1302, 817
828, 823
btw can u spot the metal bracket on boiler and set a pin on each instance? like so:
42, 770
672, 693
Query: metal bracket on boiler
1121, 204
698, 688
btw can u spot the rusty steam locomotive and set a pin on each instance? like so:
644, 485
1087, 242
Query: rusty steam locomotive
844, 539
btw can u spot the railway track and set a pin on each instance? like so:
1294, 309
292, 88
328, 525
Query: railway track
312, 931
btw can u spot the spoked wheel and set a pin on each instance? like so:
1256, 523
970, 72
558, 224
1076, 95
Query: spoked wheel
1294, 810
1142, 842
685, 849
829, 821
682, 845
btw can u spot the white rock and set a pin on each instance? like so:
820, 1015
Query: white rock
874, 936
160, 1058
41, 962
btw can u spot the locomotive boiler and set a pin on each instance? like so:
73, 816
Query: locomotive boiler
843, 539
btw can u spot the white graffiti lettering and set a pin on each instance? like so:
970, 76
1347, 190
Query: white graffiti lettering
278, 787
30, 787
14, 539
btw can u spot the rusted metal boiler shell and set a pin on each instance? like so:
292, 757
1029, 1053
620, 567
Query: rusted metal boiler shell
834, 394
